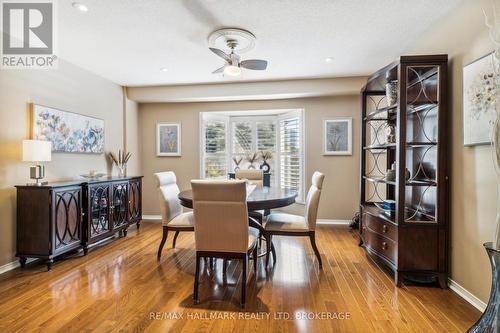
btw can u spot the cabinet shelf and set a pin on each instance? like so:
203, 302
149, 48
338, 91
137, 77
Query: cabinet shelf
391, 110
380, 147
379, 180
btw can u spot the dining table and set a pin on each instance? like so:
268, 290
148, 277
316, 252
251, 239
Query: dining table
260, 198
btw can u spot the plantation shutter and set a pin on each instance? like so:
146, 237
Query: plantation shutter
215, 157
291, 154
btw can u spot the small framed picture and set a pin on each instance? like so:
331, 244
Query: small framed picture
480, 91
168, 139
337, 136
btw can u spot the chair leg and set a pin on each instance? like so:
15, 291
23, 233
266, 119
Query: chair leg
268, 247
175, 239
224, 270
196, 280
244, 281
312, 237
162, 243
273, 251
255, 256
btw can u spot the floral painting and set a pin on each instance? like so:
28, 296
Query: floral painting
480, 90
168, 139
68, 132
338, 136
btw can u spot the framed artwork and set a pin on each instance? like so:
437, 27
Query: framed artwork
337, 136
480, 85
69, 132
168, 139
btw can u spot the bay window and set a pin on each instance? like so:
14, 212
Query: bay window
230, 136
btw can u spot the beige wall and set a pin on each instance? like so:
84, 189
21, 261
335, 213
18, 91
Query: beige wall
463, 36
340, 195
68, 88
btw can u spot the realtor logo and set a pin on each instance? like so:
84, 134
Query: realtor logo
28, 34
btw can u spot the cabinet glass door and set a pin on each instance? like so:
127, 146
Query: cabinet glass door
99, 209
120, 204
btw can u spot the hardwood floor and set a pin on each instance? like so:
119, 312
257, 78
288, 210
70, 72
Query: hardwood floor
121, 287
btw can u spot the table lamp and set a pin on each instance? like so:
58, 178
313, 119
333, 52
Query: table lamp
37, 151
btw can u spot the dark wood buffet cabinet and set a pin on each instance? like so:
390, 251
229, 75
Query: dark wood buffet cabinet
60, 217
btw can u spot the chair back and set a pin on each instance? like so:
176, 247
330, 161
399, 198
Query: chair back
166, 183
312, 199
220, 216
253, 176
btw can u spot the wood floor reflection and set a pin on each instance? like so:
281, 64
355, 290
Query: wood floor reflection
121, 287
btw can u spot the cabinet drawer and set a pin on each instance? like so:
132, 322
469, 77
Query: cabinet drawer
381, 245
381, 226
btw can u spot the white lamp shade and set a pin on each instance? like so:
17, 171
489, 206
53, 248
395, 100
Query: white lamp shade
37, 151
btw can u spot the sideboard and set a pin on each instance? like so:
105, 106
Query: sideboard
60, 217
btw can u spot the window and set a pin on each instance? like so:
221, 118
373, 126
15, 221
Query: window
227, 136
215, 161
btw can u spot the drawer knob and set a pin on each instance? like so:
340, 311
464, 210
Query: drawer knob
384, 246
384, 228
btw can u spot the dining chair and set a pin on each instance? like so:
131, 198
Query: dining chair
253, 176
172, 216
221, 226
281, 224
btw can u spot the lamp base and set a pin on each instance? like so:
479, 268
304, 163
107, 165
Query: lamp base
37, 172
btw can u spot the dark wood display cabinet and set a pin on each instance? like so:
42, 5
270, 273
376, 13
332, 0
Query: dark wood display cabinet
404, 171
60, 217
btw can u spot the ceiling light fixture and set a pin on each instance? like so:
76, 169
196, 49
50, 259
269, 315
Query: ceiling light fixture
329, 59
232, 70
164, 69
80, 6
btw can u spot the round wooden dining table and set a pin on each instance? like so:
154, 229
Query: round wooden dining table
261, 198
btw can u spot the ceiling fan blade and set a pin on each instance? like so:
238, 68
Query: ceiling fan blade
219, 70
255, 64
221, 54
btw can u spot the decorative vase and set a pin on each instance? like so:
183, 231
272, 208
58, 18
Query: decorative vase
251, 166
391, 92
265, 167
236, 168
122, 171
490, 320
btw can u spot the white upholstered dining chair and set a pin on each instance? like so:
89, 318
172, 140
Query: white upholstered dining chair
173, 218
254, 176
281, 224
221, 226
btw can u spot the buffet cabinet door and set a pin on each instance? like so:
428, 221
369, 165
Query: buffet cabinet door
134, 201
67, 219
120, 204
99, 210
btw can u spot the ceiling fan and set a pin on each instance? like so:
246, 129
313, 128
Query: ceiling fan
233, 65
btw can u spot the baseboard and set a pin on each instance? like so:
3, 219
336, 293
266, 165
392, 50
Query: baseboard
333, 222
154, 218
467, 295
13, 265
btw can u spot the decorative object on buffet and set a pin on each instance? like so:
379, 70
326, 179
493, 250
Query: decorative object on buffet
37, 151
390, 134
265, 156
337, 136
391, 92
237, 162
252, 158
121, 161
93, 174
168, 139
68, 132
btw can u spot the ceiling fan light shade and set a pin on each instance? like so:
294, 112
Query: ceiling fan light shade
232, 70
